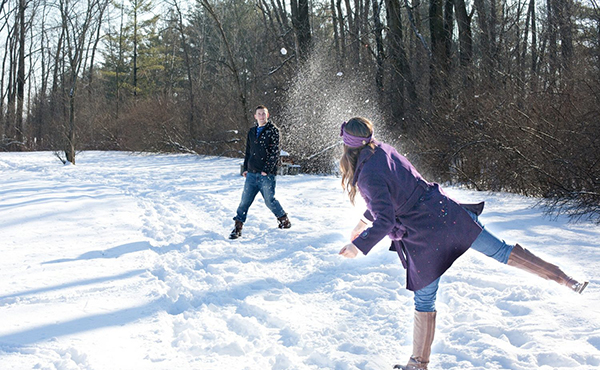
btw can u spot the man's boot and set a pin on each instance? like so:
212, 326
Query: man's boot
284, 222
237, 230
423, 333
525, 260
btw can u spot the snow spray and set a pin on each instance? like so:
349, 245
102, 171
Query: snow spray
320, 98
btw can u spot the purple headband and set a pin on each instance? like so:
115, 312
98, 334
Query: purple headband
354, 141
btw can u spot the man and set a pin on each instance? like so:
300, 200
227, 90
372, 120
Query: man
260, 169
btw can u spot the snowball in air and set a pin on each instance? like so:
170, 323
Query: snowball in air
340, 74
283, 51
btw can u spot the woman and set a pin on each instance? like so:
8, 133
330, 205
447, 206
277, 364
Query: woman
428, 229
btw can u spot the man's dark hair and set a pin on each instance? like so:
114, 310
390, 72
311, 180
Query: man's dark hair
260, 107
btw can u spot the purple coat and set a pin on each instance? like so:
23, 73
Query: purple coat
428, 229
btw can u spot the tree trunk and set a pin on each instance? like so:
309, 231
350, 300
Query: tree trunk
135, 46
493, 19
553, 61
401, 76
336, 36
11, 91
3, 118
465, 35
565, 24
356, 45
42, 99
485, 37
438, 48
95, 47
534, 50
378, 31
70, 149
448, 31
351, 20
342, 31
301, 24
20, 74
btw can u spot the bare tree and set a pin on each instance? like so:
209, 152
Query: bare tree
465, 34
485, 37
232, 64
8, 64
560, 32
402, 86
188, 68
79, 24
301, 24
21, 31
380, 54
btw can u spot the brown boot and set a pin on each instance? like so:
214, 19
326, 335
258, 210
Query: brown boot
284, 222
423, 333
525, 260
237, 230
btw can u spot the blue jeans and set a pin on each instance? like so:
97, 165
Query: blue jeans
255, 182
486, 243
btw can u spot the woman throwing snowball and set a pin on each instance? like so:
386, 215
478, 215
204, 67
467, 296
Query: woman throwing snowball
429, 230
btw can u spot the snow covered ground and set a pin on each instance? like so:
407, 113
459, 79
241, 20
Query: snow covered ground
123, 262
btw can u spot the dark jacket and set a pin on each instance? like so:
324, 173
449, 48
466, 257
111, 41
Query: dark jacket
262, 152
428, 229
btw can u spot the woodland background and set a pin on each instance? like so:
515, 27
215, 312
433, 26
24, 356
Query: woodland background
491, 94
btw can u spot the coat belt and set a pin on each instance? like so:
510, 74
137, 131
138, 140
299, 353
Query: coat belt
412, 200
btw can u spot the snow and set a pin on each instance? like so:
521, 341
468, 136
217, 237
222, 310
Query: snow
122, 262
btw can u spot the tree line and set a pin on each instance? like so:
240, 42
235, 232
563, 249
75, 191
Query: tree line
492, 94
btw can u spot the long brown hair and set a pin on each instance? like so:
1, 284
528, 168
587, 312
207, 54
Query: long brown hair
357, 126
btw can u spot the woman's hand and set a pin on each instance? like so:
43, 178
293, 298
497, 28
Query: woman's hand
359, 228
349, 251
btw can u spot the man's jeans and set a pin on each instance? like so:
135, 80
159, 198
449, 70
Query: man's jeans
256, 182
486, 243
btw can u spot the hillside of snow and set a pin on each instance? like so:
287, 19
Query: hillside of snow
123, 262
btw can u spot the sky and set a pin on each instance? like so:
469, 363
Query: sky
123, 262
